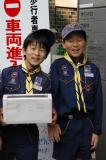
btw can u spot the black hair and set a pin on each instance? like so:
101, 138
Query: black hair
38, 38
81, 33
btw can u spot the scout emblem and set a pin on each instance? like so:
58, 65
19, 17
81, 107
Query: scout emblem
87, 69
13, 78
65, 70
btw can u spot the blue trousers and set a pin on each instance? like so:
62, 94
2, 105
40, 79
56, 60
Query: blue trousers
22, 152
21, 142
75, 140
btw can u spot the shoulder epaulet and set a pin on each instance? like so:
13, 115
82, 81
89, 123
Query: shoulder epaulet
11, 67
58, 59
45, 74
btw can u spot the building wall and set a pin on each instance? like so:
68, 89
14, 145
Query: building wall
60, 16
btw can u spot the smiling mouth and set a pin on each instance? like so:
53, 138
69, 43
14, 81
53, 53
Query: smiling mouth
36, 59
75, 50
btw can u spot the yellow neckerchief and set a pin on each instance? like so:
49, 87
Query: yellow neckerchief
77, 78
29, 84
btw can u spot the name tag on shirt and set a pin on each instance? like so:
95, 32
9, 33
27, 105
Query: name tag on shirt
89, 75
37, 87
38, 83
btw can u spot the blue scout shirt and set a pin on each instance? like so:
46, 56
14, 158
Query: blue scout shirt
13, 81
64, 94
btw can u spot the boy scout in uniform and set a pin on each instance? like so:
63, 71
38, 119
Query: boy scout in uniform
21, 141
77, 98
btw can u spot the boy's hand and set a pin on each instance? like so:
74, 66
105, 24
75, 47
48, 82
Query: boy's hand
54, 132
54, 117
94, 140
0, 143
1, 115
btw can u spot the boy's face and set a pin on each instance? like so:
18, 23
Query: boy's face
75, 45
35, 55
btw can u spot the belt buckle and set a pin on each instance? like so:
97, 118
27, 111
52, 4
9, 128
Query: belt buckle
70, 116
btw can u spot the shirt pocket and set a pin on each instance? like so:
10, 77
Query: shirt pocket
66, 79
89, 85
66, 86
89, 90
12, 89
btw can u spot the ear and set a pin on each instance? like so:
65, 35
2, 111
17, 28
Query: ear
85, 45
63, 44
23, 52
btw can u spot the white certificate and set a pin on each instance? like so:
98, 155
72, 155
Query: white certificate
23, 109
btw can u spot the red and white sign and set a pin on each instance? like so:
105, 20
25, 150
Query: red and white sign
18, 18
12, 8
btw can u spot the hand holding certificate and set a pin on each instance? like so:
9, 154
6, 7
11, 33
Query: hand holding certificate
20, 109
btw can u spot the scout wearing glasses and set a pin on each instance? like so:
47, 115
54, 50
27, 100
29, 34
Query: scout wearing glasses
21, 141
77, 97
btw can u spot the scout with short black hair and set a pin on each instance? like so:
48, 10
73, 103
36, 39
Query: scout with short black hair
21, 141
